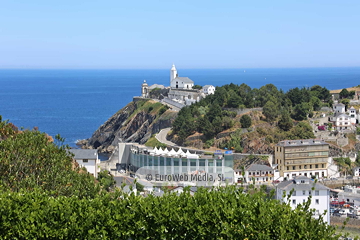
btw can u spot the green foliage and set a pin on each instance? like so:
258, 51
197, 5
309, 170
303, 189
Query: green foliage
153, 142
345, 164
209, 116
344, 93
226, 213
301, 131
234, 142
315, 103
270, 110
285, 123
139, 187
245, 121
346, 102
301, 111
163, 109
29, 160
106, 180
197, 87
358, 130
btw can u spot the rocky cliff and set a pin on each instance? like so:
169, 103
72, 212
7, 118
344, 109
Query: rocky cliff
136, 122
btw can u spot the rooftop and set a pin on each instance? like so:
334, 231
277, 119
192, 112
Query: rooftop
303, 142
84, 153
184, 79
259, 167
291, 184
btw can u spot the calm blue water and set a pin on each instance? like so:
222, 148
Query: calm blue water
75, 103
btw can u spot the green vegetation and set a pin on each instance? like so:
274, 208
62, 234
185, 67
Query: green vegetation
211, 115
147, 106
45, 195
345, 165
245, 121
153, 142
226, 213
29, 160
197, 87
106, 180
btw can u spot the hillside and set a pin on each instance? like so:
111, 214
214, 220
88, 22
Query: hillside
135, 122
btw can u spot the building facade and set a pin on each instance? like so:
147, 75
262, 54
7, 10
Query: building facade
302, 158
177, 82
257, 173
87, 158
301, 188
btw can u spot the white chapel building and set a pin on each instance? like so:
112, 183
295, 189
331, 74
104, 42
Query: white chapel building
177, 82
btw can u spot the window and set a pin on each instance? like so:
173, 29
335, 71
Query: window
299, 167
316, 165
85, 160
294, 167
303, 200
322, 165
309, 192
287, 168
303, 192
249, 173
294, 201
303, 181
316, 201
316, 192
294, 193
310, 166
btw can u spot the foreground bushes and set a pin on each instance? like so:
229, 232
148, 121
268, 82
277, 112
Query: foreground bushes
224, 213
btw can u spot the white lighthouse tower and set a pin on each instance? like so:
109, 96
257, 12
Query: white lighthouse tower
144, 90
173, 73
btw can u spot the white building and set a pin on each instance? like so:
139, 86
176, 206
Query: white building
87, 158
208, 89
339, 108
177, 82
356, 171
255, 172
352, 115
304, 187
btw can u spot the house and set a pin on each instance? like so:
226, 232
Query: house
308, 157
352, 115
87, 158
356, 171
301, 188
339, 108
255, 172
208, 89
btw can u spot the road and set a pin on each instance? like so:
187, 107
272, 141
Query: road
161, 137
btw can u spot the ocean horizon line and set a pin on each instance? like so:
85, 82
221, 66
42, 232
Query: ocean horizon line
185, 68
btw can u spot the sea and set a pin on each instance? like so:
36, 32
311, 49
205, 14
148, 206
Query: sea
74, 103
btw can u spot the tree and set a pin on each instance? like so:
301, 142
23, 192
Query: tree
106, 180
301, 131
234, 101
301, 111
245, 121
270, 111
285, 123
344, 93
197, 87
315, 103
346, 102
30, 159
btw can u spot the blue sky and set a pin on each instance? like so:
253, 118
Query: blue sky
192, 34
